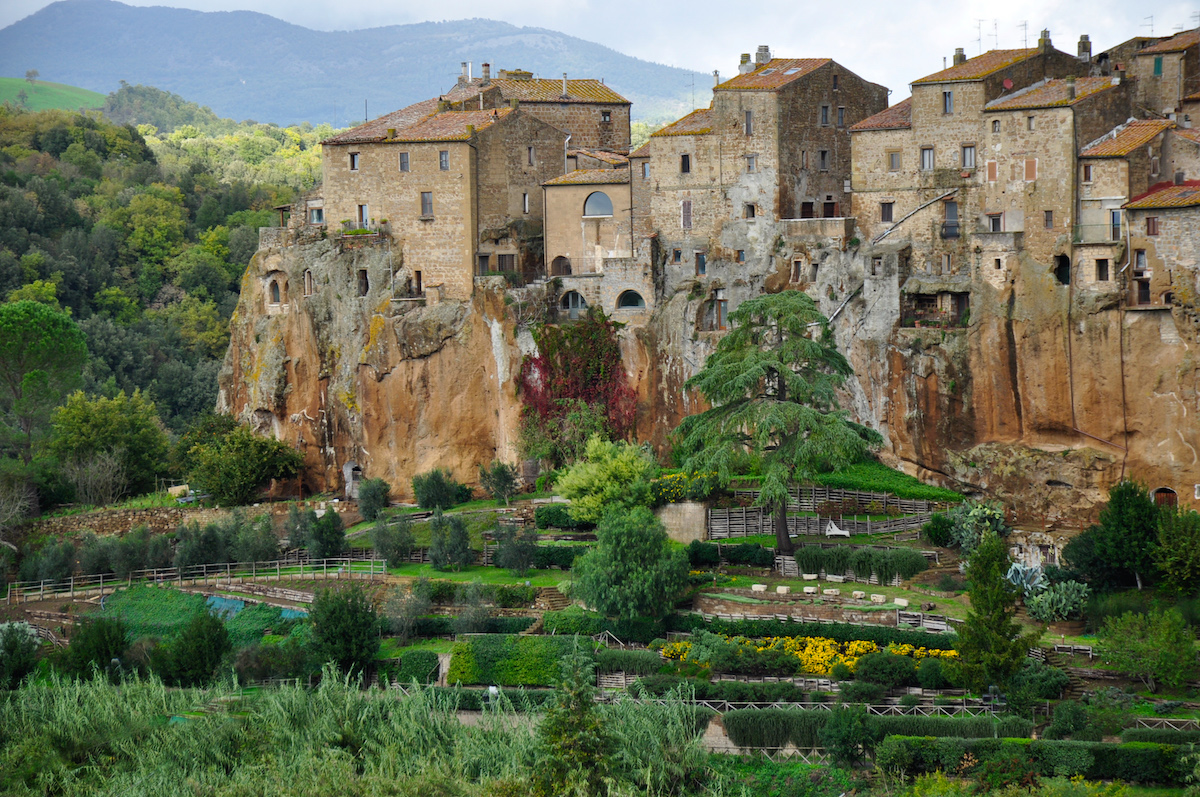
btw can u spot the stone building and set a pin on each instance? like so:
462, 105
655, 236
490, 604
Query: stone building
589, 112
1167, 72
459, 191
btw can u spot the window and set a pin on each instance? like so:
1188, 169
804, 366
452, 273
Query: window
885, 210
676, 255
444, 160
1152, 225
1139, 261
947, 102
741, 255
685, 164
606, 116
1062, 269
999, 264
506, 262
685, 214
995, 125
574, 304
825, 115
950, 223
1087, 172
968, 156
485, 264
876, 266
1114, 225
835, 82
630, 300
947, 263
403, 161
364, 215
418, 285
893, 161
597, 204
748, 210
806, 210
701, 264
751, 163
426, 204
524, 203
1158, 66
1030, 169
803, 159
529, 155
274, 292
926, 159
353, 161
829, 210
1154, 165
823, 160
721, 309
316, 215
646, 170
797, 270
308, 282
993, 171
1028, 122
1048, 219
560, 266
995, 222
841, 117
1102, 270
749, 123
364, 282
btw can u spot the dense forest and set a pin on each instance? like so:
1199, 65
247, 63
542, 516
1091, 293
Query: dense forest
130, 239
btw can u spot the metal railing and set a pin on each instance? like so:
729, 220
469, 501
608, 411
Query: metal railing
1096, 234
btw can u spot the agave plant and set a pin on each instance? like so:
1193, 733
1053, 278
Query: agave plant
1028, 578
1063, 601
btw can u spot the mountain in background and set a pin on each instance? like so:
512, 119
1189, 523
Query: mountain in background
247, 65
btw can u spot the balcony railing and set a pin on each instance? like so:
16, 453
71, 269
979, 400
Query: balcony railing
950, 229
1096, 233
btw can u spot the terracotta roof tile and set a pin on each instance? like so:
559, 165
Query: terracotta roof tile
602, 155
1126, 138
451, 125
592, 177
1192, 97
540, 90
774, 74
980, 66
1168, 195
898, 117
1178, 42
376, 129
1051, 94
696, 123
1190, 133
641, 152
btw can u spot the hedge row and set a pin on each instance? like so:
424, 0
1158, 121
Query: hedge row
839, 632
510, 660
505, 596
413, 665
634, 662
732, 691
775, 727
444, 626
560, 556
585, 623
556, 516
1160, 736
1133, 762
885, 564
746, 554
476, 699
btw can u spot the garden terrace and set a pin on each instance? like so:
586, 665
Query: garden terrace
754, 520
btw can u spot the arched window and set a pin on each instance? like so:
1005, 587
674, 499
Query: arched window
308, 282
597, 204
574, 304
630, 299
275, 292
560, 267
1165, 496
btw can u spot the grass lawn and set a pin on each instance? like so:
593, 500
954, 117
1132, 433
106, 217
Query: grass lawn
392, 649
43, 96
956, 608
485, 575
875, 477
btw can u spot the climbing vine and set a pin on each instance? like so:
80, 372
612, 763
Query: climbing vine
576, 379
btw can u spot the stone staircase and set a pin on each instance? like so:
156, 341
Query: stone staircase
1075, 687
549, 599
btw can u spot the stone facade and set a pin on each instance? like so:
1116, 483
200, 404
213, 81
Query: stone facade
1167, 72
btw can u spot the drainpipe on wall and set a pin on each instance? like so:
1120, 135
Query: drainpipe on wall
566, 144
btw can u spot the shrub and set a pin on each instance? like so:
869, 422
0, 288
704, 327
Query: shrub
849, 734
345, 628
372, 497
18, 653
749, 554
1059, 601
516, 548
414, 665
93, 647
52, 562
931, 674
449, 542
959, 727
860, 692
192, 658
326, 538
555, 516
886, 669
703, 555
634, 662
561, 556
393, 540
1039, 681
510, 660
585, 623
838, 632
499, 479
437, 489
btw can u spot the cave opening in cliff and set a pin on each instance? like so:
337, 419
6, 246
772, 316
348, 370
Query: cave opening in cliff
364, 282
1062, 269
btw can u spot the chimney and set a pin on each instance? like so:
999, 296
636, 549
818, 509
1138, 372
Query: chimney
745, 67
486, 73
470, 130
443, 105
1179, 178
564, 84
1070, 87
1085, 48
716, 78
763, 55
391, 132
514, 103
464, 77
1044, 45
959, 56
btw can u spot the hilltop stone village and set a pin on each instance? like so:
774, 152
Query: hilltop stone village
1009, 258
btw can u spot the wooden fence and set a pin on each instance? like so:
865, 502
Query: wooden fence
747, 521
354, 566
786, 566
807, 499
1167, 723
937, 623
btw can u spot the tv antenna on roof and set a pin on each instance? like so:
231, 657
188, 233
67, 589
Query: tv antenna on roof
1024, 26
979, 34
1149, 24
996, 33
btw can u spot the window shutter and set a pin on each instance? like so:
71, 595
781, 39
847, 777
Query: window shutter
1030, 169
686, 214
992, 171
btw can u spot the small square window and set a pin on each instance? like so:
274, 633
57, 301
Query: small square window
426, 204
876, 266
995, 125
995, 222
741, 255
353, 161
1154, 165
797, 270
1087, 172
676, 255
403, 161
646, 170
444, 160
885, 210
606, 116
685, 164
968, 156
1028, 122
701, 264
316, 216
1158, 61
947, 263
749, 210
893, 159
1048, 219
751, 163
823, 160
1102, 270
1152, 225
999, 264
1139, 260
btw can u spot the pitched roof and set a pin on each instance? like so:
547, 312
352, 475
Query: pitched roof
1168, 195
980, 66
452, 125
592, 177
1125, 139
1190, 133
641, 152
1051, 94
376, 129
602, 155
540, 90
774, 74
1194, 97
696, 123
1178, 42
898, 117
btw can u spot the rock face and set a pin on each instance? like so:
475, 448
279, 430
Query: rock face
1045, 398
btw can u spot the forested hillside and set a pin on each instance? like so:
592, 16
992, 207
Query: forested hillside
253, 66
135, 245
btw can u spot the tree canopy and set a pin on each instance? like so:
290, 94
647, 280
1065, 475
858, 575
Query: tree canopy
772, 385
126, 426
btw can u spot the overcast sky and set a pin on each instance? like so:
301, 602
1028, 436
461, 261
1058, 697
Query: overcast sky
888, 41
